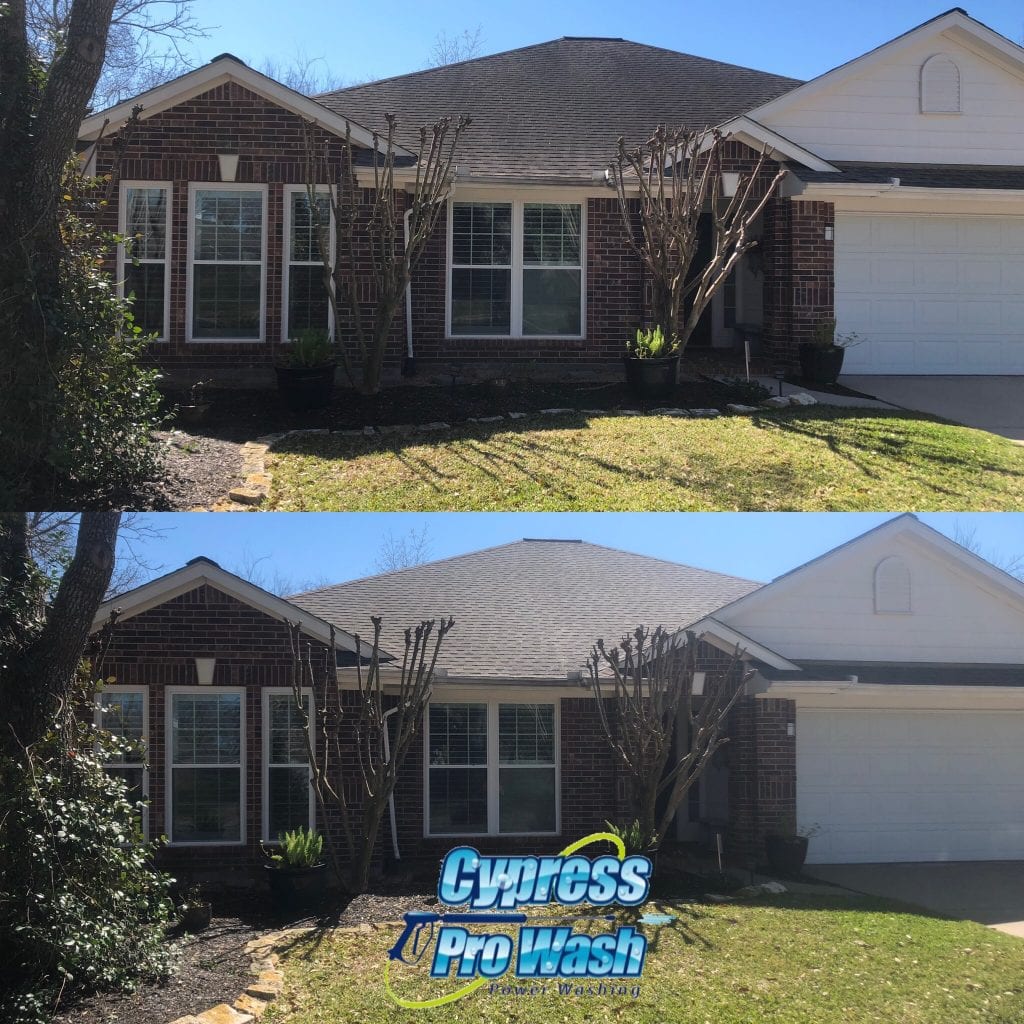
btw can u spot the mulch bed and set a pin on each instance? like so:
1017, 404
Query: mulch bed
198, 470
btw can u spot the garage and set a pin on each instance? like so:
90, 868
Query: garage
911, 785
934, 293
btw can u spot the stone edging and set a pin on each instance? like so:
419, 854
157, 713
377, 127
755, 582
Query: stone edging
255, 486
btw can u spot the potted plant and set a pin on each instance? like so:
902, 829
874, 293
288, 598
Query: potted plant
306, 378
786, 846
198, 407
652, 364
821, 360
297, 872
195, 909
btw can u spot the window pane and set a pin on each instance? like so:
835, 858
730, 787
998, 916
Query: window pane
551, 302
288, 800
287, 735
132, 778
526, 734
482, 234
527, 800
458, 734
481, 301
229, 226
226, 302
206, 729
551, 234
458, 800
304, 236
144, 289
308, 304
146, 222
206, 805
122, 715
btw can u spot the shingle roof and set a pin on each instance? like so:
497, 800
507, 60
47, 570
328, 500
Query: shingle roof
918, 175
556, 109
531, 609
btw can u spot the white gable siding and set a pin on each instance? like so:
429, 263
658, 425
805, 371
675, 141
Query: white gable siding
875, 115
827, 612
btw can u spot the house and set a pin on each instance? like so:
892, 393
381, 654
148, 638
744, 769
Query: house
901, 213
885, 705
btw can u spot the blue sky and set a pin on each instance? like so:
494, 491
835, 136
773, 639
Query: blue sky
306, 548
800, 38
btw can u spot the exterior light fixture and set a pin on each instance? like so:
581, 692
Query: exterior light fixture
204, 670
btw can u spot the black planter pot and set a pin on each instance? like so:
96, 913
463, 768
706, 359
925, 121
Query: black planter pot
193, 414
786, 854
306, 387
297, 888
821, 365
652, 378
196, 916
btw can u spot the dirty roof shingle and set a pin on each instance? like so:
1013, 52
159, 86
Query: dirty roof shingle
530, 610
555, 110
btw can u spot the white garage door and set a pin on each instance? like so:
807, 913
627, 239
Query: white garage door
911, 785
931, 294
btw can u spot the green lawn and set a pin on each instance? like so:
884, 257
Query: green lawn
790, 960
818, 458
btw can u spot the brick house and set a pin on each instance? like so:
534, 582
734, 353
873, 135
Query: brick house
886, 704
901, 215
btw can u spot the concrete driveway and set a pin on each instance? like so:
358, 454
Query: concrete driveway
995, 404
990, 892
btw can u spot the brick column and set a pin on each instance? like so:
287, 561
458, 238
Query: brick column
762, 772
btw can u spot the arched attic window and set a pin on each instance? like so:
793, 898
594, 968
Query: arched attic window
940, 85
892, 586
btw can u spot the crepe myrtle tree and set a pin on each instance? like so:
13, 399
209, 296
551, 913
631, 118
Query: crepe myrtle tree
677, 175
660, 731
375, 734
373, 232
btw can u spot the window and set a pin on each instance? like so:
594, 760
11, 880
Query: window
227, 263
205, 781
940, 85
491, 769
516, 269
144, 220
122, 712
305, 297
288, 799
892, 586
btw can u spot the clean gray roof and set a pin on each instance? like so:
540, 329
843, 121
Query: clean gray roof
555, 110
528, 610
918, 175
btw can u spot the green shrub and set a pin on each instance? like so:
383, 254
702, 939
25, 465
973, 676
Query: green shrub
299, 849
81, 906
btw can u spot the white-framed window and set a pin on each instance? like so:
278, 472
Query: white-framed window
124, 712
227, 262
143, 265
491, 768
305, 301
205, 765
288, 798
516, 268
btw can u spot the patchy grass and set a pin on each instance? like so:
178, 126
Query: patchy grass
790, 960
820, 458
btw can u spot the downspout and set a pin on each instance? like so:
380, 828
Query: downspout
409, 363
391, 799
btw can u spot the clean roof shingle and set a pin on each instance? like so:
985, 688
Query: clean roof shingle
555, 110
528, 610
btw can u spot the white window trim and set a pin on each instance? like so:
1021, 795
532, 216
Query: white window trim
279, 691
493, 765
518, 200
170, 693
98, 722
223, 186
287, 262
122, 229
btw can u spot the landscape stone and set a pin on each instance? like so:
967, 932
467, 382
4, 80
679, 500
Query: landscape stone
705, 414
776, 402
737, 408
224, 1014
802, 398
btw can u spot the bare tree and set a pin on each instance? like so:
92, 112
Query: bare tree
660, 731
404, 551
258, 571
678, 176
452, 49
146, 46
1009, 561
305, 74
360, 730
395, 238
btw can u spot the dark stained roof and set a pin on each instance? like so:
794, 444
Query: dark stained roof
918, 175
555, 110
530, 610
